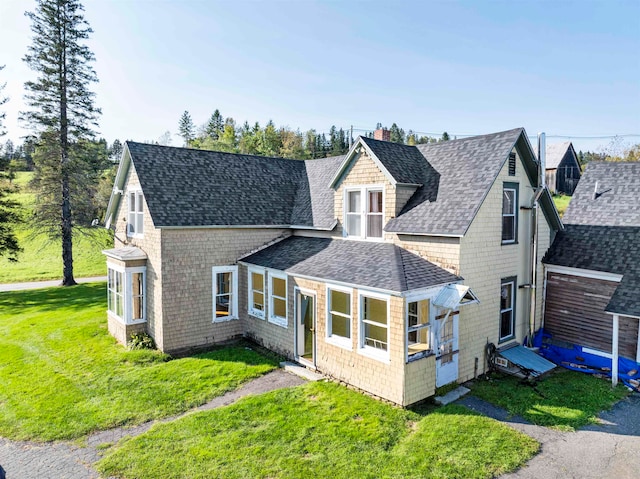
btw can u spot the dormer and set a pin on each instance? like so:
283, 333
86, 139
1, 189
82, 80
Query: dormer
373, 184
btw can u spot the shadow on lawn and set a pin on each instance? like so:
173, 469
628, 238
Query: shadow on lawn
77, 297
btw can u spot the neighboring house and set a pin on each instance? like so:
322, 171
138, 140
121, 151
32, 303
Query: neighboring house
592, 304
562, 168
390, 268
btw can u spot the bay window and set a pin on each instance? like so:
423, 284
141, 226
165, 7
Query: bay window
126, 293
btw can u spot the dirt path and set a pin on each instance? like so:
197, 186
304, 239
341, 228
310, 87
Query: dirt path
58, 460
45, 284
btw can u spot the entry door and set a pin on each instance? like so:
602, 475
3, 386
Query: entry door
446, 338
306, 327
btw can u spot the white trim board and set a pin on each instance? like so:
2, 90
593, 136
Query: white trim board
583, 273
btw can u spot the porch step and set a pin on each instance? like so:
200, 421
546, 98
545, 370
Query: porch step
451, 396
301, 371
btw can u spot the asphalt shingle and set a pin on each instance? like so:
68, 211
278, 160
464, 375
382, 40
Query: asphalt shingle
367, 264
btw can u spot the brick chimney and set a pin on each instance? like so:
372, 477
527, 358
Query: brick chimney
382, 134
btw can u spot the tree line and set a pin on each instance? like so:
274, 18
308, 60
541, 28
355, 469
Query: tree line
224, 134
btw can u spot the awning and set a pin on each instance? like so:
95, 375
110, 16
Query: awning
454, 295
531, 362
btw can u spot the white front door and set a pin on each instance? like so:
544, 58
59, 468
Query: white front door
446, 346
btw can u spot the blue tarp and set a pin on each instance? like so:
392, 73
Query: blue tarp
577, 359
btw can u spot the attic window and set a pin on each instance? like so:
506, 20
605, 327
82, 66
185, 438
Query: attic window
135, 223
512, 164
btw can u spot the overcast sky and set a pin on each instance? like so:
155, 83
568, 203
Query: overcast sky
566, 68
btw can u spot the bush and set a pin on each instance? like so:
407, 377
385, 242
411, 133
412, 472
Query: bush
141, 341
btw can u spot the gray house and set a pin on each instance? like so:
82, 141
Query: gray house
592, 305
562, 168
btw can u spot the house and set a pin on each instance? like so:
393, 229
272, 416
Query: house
389, 268
562, 168
592, 307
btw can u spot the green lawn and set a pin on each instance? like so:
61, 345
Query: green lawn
565, 400
561, 201
41, 258
63, 376
321, 430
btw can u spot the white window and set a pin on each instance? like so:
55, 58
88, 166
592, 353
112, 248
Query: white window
278, 299
339, 315
418, 330
256, 293
126, 293
374, 324
364, 212
135, 225
225, 293
507, 308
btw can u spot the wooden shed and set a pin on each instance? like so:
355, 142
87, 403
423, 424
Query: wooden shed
592, 293
562, 168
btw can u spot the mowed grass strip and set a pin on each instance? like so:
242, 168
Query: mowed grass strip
321, 430
63, 375
562, 203
564, 400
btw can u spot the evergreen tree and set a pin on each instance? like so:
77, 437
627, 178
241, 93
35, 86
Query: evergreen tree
62, 114
271, 141
9, 215
445, 137
396, 134
186, 128
215, 125
115, 152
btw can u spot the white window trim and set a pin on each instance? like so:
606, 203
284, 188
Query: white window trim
513, 215
280, 321
127, 293
256, 312
137, 193
215, 270
369, 351
415, 299
513, 312
364, 201
345, 343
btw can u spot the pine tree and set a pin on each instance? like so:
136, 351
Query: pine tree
186, 128
115, 152
62, 114
8, 208
396, 134
445, 137
215, 125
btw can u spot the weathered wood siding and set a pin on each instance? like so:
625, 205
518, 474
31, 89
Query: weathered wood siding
575, 312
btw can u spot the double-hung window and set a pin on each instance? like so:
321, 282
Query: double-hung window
339, 316
225, 293
135, 224
256, 293
278, 299
126, 293
418, 331
510, 213
507, 308
364, 212
374, 324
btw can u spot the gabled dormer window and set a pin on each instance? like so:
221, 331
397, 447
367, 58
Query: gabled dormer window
364, 212
135, 218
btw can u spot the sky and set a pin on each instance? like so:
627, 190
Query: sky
566, 68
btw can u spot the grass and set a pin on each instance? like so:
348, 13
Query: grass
41, 258
562, 202
321, 430
565, 400
63, 375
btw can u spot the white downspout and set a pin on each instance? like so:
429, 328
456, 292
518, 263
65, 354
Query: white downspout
614, 352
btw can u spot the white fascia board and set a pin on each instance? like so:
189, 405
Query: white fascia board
612, 313
583, 273
118, 187
349, 158
443, 235
233, 227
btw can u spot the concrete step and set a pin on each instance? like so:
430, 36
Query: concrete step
301, 371
452, 396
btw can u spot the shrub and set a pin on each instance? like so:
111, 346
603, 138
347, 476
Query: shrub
141, 341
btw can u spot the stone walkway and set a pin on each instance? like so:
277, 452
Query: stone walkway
610, 449
66, 460
45, 284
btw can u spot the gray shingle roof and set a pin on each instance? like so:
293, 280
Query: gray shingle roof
404, 163
368, 264
464, 169
607, 249
187, 187
617, 202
